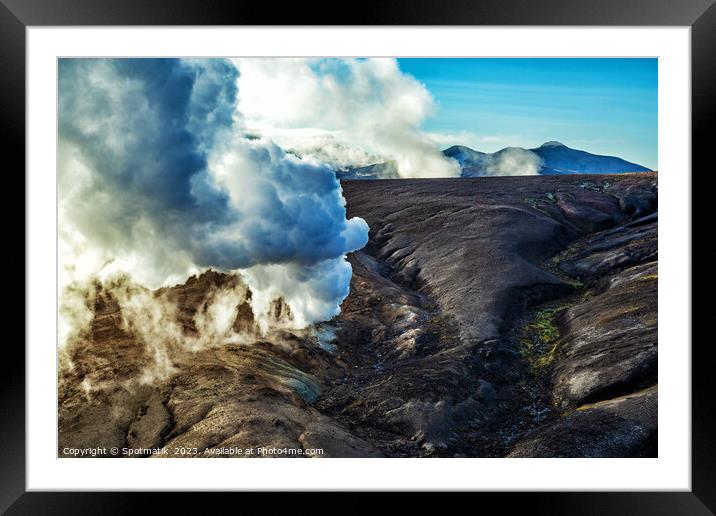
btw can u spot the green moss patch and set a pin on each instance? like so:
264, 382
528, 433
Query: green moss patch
574, 283
540, 338
649, 277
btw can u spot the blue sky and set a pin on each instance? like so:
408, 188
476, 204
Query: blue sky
601, 105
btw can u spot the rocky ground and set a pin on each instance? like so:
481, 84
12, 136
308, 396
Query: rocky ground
487, 317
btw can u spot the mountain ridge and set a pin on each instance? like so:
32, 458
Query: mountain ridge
556, 158
550, 158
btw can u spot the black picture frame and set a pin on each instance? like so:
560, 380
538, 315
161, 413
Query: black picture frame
700, 15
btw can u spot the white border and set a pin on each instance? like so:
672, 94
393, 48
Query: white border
670, 471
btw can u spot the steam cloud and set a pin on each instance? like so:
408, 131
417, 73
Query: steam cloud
512, 161
347, 112
158, 179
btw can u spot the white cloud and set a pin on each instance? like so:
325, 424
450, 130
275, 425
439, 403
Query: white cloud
157, 181
367, 108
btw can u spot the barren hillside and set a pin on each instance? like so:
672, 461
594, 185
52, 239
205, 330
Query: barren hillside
487, 317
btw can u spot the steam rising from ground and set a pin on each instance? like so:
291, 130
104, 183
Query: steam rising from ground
158, 181
512, 161
158, 323
348, 112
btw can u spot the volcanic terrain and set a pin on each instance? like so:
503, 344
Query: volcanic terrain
488, 317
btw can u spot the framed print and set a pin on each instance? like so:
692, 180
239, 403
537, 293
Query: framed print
418, 252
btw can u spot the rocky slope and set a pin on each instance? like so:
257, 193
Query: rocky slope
487, 317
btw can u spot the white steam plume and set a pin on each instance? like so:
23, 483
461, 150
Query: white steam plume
357, 111
512, 161
158, 181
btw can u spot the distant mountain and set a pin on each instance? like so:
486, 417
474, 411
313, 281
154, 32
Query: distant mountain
560, 159
550, 158
556, 158
464, 155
